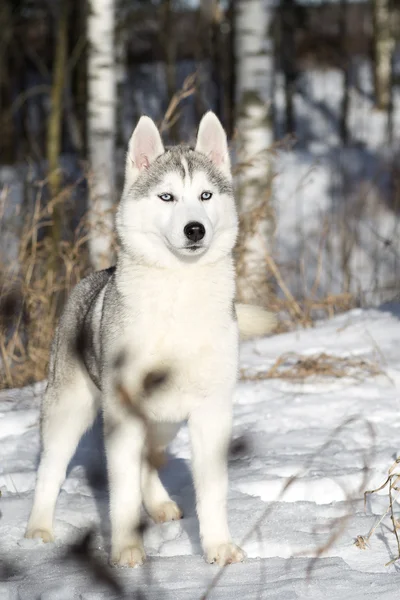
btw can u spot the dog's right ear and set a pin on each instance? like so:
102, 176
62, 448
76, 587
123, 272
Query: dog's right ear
144, 147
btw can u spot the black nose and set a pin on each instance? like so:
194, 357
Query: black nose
194, 231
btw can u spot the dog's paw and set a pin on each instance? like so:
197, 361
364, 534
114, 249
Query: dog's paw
130, 556
167, 511
225, 554
44, 534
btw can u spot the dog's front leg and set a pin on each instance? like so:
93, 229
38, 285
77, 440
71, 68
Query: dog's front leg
124, 447
210, 429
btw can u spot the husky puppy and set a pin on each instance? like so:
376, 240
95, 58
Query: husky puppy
168, 303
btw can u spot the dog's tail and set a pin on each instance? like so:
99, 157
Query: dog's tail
254, 321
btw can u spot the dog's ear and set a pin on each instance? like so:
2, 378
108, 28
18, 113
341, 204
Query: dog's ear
211, 141
145, 146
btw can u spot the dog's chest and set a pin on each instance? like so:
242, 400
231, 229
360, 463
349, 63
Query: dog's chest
186, 324
180, 315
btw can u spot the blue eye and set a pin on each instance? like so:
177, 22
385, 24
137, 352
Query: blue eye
166, 197
206, 196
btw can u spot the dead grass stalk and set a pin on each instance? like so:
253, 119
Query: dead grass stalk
392, 483
295, 367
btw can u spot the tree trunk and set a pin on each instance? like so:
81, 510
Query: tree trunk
346, 68
168, 40
384, 44
54, 127
101, 129
78, 75
7, 138
287, 52
211, 16
229, 71
254, 62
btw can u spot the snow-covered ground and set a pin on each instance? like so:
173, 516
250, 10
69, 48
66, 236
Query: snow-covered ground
288, 428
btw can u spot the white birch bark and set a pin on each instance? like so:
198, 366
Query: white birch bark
254, 65
101, 129
384, 45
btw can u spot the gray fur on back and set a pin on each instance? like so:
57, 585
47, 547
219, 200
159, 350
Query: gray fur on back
75, 333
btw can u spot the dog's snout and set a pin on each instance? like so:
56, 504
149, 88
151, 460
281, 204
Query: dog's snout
194, 231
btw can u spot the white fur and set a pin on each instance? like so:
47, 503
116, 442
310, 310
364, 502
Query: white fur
170, 309
254, 321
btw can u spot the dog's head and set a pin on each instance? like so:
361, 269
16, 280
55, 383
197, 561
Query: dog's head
177, 204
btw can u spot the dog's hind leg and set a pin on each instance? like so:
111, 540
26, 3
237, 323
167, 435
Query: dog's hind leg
68, 410
155, 497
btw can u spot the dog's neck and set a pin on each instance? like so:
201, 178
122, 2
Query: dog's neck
131, 273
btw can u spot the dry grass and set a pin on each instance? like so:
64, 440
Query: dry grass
349, 259
392, 483
33, 290
295, 367
172, 115
294, 309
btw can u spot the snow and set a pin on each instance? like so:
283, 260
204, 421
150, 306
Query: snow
316, 430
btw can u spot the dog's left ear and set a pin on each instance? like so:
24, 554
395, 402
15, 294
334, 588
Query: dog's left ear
211, 141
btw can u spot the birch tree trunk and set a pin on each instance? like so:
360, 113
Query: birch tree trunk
101, 129
384, 44
254, 71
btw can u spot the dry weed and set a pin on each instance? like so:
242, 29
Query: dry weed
299, 309
361, 542
392, 482
33, 290
171, 114
295, 367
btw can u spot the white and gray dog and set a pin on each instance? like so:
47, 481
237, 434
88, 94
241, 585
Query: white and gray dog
168, 304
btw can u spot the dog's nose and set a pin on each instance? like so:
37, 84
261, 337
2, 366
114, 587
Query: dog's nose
194, 231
